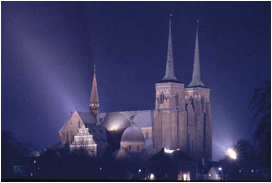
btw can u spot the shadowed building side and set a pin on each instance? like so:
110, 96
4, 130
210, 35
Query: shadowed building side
199, 114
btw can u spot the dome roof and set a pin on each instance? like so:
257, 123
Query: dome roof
115, 120
133, 134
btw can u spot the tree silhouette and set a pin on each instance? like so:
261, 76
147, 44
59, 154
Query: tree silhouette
261, 106
12, 150
241, 168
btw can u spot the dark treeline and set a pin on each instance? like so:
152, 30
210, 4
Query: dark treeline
254, 155
53, 163
12, 151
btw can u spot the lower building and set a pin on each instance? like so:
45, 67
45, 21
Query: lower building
84, 140
172, 165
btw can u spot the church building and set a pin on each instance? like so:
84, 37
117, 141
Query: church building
181, 118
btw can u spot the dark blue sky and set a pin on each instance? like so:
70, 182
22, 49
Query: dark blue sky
49, 48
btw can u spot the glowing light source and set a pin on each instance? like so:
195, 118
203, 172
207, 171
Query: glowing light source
184, 177
168, 150
152, 176
140, 170
220, 168
232, 153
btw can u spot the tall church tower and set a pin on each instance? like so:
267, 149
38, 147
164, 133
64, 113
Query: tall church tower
94, 102
197, 95
182, 116
169, 103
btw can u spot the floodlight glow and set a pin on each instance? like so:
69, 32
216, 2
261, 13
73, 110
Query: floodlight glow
152, 176
168, 150
232, 153
184, 176
220, 168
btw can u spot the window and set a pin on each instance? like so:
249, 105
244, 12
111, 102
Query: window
72, 135
129, 147
138, 148
162, 97
193, 144
188, 143
78, 124
177, 99
146, 135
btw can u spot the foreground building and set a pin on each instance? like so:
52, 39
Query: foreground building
180, 121
84, 140
172, 165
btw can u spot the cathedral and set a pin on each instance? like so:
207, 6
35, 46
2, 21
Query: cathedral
181, 120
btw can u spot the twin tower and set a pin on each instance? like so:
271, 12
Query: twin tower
182, 116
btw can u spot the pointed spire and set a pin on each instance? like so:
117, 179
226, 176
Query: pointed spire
169, 73
94, 101
196, 80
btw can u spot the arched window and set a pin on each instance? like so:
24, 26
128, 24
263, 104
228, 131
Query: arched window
188, 143
67, 136
72, 135
162, 97
193, 144
177, 98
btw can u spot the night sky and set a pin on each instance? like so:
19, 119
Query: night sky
49, 49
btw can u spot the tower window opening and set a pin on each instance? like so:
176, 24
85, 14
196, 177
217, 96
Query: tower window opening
188, 143
129, 147
193, 143
177, 98
162, 97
